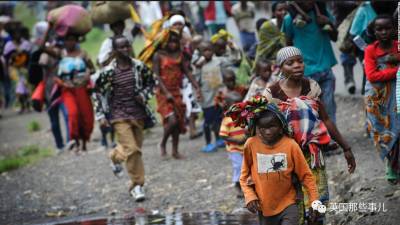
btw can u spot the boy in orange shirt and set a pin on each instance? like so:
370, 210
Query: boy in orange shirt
271, 158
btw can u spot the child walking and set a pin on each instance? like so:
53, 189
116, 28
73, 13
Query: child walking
382, 61
234, 138
210, 75
126, 85
270, 159
263, 78
170, 65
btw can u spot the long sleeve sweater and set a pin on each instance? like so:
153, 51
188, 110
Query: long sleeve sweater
271, 169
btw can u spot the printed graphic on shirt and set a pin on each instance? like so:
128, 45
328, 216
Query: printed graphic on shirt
213, 77
271, 162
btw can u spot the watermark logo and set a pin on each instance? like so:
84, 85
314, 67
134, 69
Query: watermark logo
318, 206
363, 207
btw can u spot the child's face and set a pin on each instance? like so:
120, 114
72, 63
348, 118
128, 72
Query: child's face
264, 71
229, 81
293, 67
70, 42
280, 10
383, 29
270, 129
178, 26
123, 48
220, 47
206, 51
173, 43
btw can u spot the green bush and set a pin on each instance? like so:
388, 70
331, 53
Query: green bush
33, 126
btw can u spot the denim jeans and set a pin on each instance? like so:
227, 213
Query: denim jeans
53, 113
247, 39
326, 81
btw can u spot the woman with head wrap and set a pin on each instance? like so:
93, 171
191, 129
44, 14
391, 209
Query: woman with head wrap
224, 47
271, 39
177, 22
299, 98
170, 66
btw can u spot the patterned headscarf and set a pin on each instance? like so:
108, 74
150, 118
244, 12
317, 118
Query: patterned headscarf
159, 41
286, 53
222, 34
271, 39
246, 113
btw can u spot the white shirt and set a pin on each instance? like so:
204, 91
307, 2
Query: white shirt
149, 12
245, 19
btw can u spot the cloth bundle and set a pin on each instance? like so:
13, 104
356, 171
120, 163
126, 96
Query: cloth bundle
108, 12
70, 19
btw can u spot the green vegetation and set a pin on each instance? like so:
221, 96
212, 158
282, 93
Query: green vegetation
25, 155
93, 42
33, 126
25, 15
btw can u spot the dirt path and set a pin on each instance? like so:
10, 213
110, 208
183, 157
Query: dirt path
84, 185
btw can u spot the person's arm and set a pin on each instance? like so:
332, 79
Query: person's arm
248, 191
235, 55
148, 83
322, 20
233, 140
371, 67
287, 29
186, 70
89, 63
336, 135
62, 83
333, 33
99, 96
303, 172
156, 69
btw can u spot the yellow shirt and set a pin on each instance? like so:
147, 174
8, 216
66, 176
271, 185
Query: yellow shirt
228, 129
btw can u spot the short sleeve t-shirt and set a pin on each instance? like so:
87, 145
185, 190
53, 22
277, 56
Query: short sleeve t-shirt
314, 43
228, 129
210, 81
245, 18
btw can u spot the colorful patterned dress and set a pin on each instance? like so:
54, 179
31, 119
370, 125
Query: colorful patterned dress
171, 75
383, 121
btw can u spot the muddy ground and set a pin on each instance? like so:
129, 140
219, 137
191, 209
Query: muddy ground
66, 186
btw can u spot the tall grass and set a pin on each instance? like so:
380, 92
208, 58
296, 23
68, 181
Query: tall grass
25, 155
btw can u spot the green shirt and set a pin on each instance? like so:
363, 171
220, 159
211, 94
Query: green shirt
314, 44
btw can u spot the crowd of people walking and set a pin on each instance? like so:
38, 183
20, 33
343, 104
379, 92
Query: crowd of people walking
269, 100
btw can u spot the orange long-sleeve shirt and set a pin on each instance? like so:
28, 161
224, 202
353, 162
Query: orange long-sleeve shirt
271, 168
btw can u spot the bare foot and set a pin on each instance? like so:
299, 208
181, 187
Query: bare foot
176, 155
163, 150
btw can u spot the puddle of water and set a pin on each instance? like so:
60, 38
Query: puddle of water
206, 218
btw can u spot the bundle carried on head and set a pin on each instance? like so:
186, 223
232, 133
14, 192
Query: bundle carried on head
108, 12
146, 55
246, 113
70, 19
222, 34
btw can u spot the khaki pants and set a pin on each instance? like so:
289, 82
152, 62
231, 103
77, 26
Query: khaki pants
128, 150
